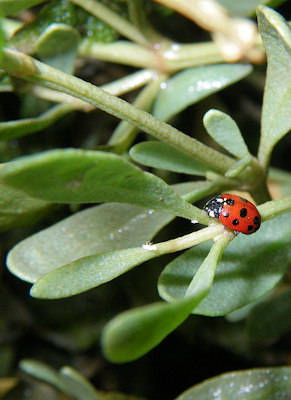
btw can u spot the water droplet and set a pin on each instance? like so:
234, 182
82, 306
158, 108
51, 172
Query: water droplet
175, 47
217, 393
149, 246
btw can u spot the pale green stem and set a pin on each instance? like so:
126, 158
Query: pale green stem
124, 27
130, 82
190, 240
22, 127
34, 71
203, 279
117, 88
125, 133
162, 57
120, 52
273, 208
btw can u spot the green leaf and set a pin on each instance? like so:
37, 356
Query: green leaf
242, 8
269, 320
2, 39
41, 371
97, 229
253, 384
133, 333
161, 155
89, 272
18, 209
224, 130
79, 387
94, 270
191, 85
250, 267
79, 176
14, 129
57, 46
66, 380
276, 116
55, 13
11, 7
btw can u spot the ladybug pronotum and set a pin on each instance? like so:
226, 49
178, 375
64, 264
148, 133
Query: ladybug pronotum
234, 212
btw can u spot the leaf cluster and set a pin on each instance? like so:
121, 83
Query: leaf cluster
132, 175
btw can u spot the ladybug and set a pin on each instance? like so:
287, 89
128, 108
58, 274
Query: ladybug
235, 213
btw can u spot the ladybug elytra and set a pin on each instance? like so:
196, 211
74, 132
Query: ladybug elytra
234, 212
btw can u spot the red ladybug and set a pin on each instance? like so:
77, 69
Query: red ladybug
234, 212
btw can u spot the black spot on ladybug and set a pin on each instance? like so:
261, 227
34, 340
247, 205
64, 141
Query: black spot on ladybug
230, 202
244, 200
225, 214
243, 212
235, 222
256, 220
250, 228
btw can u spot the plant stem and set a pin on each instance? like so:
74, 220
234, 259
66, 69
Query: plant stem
125, 133
164, 57
37, 72
273, 208
203, 279
130, 82
117, 88
187, 241
124, 27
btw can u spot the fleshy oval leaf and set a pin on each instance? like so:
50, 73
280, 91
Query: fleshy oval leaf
250, 267
18, 209
161, 155
88, 272
57, 46
80, 176
191, 85
133, 333
253, 384
97, 229
276, 116
224, 130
